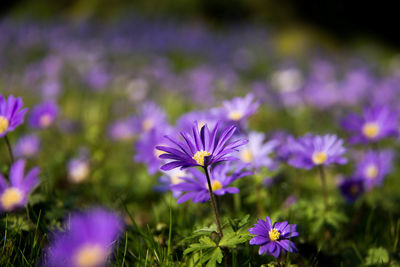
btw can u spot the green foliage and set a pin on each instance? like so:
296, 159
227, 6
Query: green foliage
377, 256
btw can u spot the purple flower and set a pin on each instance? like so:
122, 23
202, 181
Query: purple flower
43, 115
146, 150
79, 167
16, 194
375, 124
11, 114
200, 148
373, 167
88, 241
170, 178
238, 109
122, 129
256, 152
273, 239
185, 122
196, 187
27, 146
310, 151
149, 117
352, 188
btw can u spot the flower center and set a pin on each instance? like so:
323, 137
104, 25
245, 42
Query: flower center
354, 190
199, 156
45, 120
11, 197
216, 185
235, 115
371, 171
147, 124
90, 256
246, 155
3, 124
319, 158
80, 172
274, 234
370, 129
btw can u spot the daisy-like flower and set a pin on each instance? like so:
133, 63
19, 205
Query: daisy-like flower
16, 194
27, 146
256, 152
150, 116
373, 167
88, 241
375, 124
273, 239
352, 188
196, 187
238, 109
170, 178
78, 169
146, 150
201, 149
11, 114
43, 115
185, 122
310, 151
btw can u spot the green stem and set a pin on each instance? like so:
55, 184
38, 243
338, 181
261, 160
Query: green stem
213, 203
323, 182
9, 148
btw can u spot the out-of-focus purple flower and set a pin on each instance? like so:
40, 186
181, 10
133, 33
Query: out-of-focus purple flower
201, 82
51, 89
170, 178
373, 167
185, 122
78, 169
256, 152
147, 151
196, 187
88, 240
283, 152
11, 114
202, 148
289, 201
273, 239
27, 146
314, 150
150, 116
122, 129
43, 115
375, 124
98, 78
238, 109
352, 188
16, 194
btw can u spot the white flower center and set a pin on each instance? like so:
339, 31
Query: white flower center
371, 171
319, 158
246, 155
235, 115
79, 172
147, 124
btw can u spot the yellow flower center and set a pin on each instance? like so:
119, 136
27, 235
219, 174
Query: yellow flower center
274, 234
90, 256
370, 129
319, 158
235, 115
216, 185
45, 120
371, 171
246, 155
11, 197
199, 156
3, 124
147, 124
354, 190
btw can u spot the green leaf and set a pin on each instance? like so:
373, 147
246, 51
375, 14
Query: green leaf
231, 240
377, 256
216, 256
204, 243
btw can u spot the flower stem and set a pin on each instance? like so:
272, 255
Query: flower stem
213, 203
9, 148
323, 182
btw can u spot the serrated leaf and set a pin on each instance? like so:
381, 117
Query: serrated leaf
216, 256
377, 256
204, 243
231, 240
